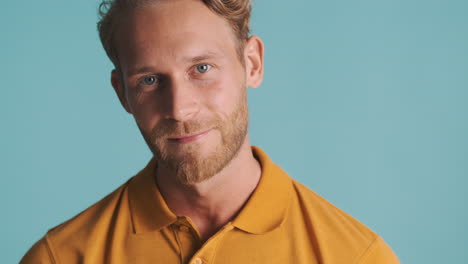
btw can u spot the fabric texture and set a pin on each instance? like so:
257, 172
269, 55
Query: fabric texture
282, 222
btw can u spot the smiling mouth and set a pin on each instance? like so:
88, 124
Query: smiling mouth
187, 139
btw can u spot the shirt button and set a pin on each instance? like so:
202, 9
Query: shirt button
197, 261
183, 228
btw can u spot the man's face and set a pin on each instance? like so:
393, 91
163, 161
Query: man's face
182, 77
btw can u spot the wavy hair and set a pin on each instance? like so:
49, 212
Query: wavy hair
236, 13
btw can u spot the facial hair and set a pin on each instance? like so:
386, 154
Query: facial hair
187, 166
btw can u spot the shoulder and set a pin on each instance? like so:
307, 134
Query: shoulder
378, 252
39, 253
336, 230
72, 236
315, 208
93, 222
98, 212
309, 200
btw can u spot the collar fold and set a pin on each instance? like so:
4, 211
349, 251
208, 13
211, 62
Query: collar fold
148, 209
267, 207
264, 211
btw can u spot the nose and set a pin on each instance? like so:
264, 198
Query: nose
181, 103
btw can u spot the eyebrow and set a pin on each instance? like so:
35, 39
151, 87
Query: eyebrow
188, 59
202, 57
144, 69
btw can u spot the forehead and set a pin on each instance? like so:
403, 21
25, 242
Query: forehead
171, 30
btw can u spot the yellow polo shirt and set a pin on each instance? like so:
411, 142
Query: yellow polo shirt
283, 222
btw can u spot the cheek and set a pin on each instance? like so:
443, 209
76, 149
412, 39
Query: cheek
222, 94
144, 107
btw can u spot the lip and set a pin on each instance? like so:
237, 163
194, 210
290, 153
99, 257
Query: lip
190, 138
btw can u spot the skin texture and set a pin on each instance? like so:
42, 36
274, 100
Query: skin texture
180, 75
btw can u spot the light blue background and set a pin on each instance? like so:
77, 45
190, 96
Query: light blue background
363, 101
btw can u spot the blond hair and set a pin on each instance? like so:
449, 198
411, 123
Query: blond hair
236, 13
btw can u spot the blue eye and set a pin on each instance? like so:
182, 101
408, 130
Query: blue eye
202, 68
150, 80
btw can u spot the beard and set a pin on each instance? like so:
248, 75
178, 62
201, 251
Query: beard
184, 161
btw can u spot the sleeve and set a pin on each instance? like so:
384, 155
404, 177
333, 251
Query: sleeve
39, 253
378, 252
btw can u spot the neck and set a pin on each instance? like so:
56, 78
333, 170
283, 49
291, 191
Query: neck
216, 201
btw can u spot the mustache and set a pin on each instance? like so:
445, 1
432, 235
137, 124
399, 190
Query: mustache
171, 128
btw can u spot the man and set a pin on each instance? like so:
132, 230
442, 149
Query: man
182, 68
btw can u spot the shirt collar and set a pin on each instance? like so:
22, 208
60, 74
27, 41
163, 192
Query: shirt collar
264, 211
267, 207
148, 209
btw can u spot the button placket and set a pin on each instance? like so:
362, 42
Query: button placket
206, 254
183, 228
197, 261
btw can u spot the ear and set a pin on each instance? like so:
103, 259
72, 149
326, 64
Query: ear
117, 83
253, 57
